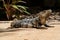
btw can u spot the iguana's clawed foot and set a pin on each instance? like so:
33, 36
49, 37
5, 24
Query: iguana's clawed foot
41, 28
50, 26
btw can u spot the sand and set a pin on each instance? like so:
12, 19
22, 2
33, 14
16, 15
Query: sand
31, 33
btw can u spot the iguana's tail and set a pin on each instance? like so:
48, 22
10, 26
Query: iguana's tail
10, 30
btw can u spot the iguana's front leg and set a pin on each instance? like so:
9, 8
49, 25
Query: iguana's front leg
40, 27
47, 25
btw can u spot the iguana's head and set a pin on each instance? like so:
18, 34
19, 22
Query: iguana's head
44, 15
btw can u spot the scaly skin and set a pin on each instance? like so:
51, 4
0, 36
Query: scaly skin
32, 22
37, 21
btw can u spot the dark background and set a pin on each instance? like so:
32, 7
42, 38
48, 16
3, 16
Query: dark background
35, 6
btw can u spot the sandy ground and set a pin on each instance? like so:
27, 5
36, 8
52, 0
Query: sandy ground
32, 33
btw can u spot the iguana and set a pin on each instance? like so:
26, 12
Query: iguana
37, 21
